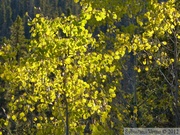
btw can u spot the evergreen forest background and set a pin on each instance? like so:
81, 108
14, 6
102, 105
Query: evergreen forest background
88, 67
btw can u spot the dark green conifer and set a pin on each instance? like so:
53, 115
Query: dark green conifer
17, 37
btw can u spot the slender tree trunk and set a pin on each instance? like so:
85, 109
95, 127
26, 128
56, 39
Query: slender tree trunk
65, 99
67, 117
129, 85
133, 84
176, 85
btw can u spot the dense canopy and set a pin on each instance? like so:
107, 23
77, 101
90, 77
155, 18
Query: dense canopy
93, 68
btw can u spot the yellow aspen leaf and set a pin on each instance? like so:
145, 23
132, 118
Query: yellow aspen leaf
48, 32
24, 119
135, 110
111, 90
1, 53
89, 8
42, 100
155, 48
88, 16
51, 118
117, 57
156, 28
169, 31
112, 68
148, 46
150, 33
33, 79
95, 108
144, 62
120, 117
113, 95
14, 117
6, 123
138, 70
85, 116
38, 125
114, 16
40, 117
158, 62
134, 48
37, 15
67, 61
159, 45
104, 116
172, 26
139, 21
150, 57
98, 18
76, 1
107, 69
136, 40
32, 109
171, 60
83, 100
35, 119
89, 104
146, 68
104, 76
21, 115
